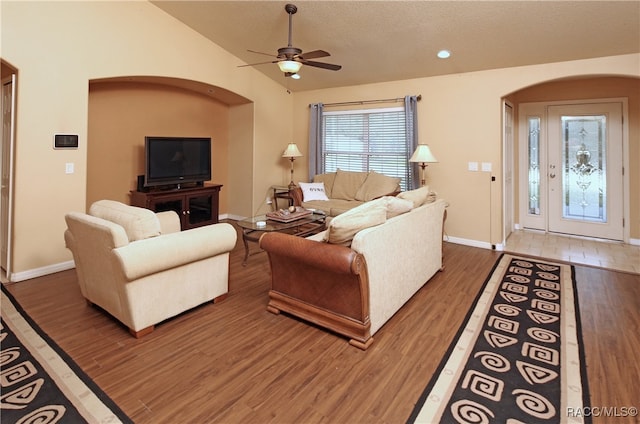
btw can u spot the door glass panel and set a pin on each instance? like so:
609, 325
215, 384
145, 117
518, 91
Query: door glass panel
584, 185
200, 209
169, 205
534, 165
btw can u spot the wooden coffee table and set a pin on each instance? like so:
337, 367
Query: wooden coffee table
305, 226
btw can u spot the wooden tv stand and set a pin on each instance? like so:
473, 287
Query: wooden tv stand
196, 206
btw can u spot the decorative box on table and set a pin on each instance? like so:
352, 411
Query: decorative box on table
287, 215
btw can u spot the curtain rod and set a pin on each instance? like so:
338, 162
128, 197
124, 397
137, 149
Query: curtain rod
366, 102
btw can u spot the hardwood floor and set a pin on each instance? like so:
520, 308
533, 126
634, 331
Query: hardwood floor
235, 362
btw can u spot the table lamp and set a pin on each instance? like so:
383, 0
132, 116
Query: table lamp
422, 156
292, 153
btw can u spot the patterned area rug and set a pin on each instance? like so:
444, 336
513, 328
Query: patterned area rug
39, 382
518, 358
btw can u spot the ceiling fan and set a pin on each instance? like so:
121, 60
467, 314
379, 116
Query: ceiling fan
290, 59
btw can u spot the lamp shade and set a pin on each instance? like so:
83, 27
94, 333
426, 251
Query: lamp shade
423, 155
289, 66
292, 151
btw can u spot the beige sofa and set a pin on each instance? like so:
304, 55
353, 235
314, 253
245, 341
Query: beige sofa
344, 190
139, 267
354, 290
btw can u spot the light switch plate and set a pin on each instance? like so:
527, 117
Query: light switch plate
473, 166
486, 166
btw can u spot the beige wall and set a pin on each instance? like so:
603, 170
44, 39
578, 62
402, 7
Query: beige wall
59, 47
460, 117
122, 114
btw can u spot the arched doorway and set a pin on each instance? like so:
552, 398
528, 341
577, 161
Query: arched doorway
550, 96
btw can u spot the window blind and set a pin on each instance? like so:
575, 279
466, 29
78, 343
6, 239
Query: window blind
367, 140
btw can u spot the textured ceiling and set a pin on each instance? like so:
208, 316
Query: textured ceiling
377, 41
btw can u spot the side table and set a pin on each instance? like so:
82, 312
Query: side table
280, 192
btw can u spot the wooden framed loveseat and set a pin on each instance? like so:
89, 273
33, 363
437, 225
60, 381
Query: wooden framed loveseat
354, 290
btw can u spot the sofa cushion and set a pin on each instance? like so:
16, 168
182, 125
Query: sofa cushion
332, 207
346, 184
328, 180
377, 185
138, 223
338, 208
313, 191
343, 227
419, 196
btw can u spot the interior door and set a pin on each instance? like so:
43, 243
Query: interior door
6, 171
585, 170
508, 170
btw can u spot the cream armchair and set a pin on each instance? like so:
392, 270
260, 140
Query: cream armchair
139, 267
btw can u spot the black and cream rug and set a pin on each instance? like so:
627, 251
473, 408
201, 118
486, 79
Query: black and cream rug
518, 358
39, 382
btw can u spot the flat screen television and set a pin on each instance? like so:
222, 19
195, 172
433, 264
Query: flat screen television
176, 160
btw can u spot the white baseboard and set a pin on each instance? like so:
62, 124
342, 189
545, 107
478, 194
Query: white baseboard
468, 242
39, 272
634, 242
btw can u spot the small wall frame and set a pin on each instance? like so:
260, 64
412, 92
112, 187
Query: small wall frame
65, 141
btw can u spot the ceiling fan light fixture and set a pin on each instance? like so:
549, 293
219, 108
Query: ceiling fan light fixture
444, 54
290, 66
295, 76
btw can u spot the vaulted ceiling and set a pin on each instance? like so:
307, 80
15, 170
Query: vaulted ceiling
378, 41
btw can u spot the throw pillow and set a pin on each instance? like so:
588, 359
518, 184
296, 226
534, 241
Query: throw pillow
345, 226
418, 196
327, 179
313, 191
377, 185
346, 184
397, 206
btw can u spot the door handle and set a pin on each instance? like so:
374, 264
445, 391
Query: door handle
552, 175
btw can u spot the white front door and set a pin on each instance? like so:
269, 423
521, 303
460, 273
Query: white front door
571, 169
585, 170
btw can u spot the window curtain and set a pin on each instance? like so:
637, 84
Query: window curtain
315, 139
411, 128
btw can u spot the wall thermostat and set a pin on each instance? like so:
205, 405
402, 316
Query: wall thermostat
65, 141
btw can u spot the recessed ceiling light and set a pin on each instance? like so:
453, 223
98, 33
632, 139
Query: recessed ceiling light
444, 54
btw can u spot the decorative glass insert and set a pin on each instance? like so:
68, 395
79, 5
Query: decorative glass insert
584, 183
534, 165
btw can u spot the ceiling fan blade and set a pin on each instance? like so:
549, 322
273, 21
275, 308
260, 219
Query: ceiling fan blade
266, 54
313, 54
329, 66
259, 63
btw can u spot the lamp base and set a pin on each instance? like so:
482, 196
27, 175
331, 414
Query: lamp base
292, 185
423, 180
